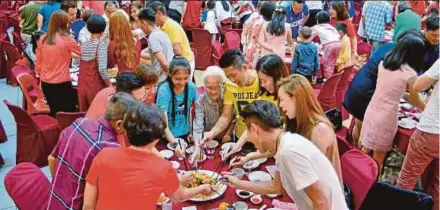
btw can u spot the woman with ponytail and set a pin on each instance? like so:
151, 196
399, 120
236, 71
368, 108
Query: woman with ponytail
175, 97
275, 34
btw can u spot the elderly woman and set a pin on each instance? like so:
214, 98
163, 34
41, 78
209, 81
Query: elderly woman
210, 104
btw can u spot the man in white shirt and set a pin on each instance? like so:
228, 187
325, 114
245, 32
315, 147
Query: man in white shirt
423, 146
303, 170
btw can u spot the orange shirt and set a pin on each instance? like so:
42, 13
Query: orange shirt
53, 61
418, 7
100, 102
125, 179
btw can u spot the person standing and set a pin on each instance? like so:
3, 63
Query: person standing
432, 44
54, 55
28, 24
160, 50
375, 16
304, 172
423, 146
315, 6
45, 13
297, 16
407, 19
175, 32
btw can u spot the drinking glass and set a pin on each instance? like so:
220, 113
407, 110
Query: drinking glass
167, 206
210, 149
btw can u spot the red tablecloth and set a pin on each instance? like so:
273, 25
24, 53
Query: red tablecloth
229, 196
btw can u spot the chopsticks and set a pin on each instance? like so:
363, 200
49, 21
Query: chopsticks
220, 166
184, 161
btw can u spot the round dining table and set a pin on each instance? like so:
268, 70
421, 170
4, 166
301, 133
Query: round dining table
229, 195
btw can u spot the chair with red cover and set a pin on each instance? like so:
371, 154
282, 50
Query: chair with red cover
359, 172
232, 41
364, 49
217, 51
66, 119
36, 135
340, 90
203, 46
3, 136
13, 56
35, 102
28, 187
327, 94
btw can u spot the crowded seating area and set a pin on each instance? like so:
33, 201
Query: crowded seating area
219, 104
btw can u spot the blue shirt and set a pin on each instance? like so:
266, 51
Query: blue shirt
46, 11
306, 59
296, 20
377, 15
180, 126
76, 27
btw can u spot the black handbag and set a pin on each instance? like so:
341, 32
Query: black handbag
348, 197
335, 116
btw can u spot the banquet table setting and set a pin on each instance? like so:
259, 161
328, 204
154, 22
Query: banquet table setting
211, 162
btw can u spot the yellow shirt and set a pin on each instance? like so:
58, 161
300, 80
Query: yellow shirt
239, 97
177, 35
269, 98
344, 58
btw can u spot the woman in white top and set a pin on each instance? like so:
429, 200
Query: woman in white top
275, 34
330, 42
223, 12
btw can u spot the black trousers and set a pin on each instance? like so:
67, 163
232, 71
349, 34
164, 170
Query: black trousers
61, 97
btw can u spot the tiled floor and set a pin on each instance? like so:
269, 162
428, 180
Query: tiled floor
8, 149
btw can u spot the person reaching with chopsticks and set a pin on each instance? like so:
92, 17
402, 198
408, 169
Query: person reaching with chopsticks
141, 186
304, 172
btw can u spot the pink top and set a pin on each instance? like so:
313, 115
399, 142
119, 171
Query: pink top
97, 6
277, 42
53, 61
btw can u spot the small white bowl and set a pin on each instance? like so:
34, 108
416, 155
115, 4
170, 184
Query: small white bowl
250, 165
238, 172
167, 154
175, 164
272, 195
243, 194
190, 150
256, 199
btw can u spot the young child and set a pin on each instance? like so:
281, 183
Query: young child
93, 75
344, 58
209, 19
306, 59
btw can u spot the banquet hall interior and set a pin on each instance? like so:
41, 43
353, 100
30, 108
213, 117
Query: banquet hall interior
219, 104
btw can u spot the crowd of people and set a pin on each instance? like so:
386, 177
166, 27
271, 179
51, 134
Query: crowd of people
104, 160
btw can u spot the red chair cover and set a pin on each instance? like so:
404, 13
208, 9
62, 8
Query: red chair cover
18, 42
343, 146
203, 46
327, 95
340, 90
191, 19
16, 71
359, 172
364, 49
2, 162
3, 136
217, 51
36, 104
232, 40
13, 56
66, 119
28, 187
36, 135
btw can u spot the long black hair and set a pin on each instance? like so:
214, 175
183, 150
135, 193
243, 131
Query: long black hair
409, 50
273, 66
181, 62
277, 25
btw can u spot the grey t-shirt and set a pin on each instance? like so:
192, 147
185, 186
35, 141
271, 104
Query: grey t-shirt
158, 41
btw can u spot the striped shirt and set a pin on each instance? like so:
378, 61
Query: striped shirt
92, 48
78, 145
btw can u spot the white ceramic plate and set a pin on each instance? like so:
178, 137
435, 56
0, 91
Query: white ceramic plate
176, 165
226, 146
221, 189
190, 150
261, 160
407, 123
272, 195
164, 201
259, 176
182, 142
167, 154
273, 209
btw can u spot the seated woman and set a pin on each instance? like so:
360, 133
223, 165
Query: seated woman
175, 97
209, 106
124, 50
124, 177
